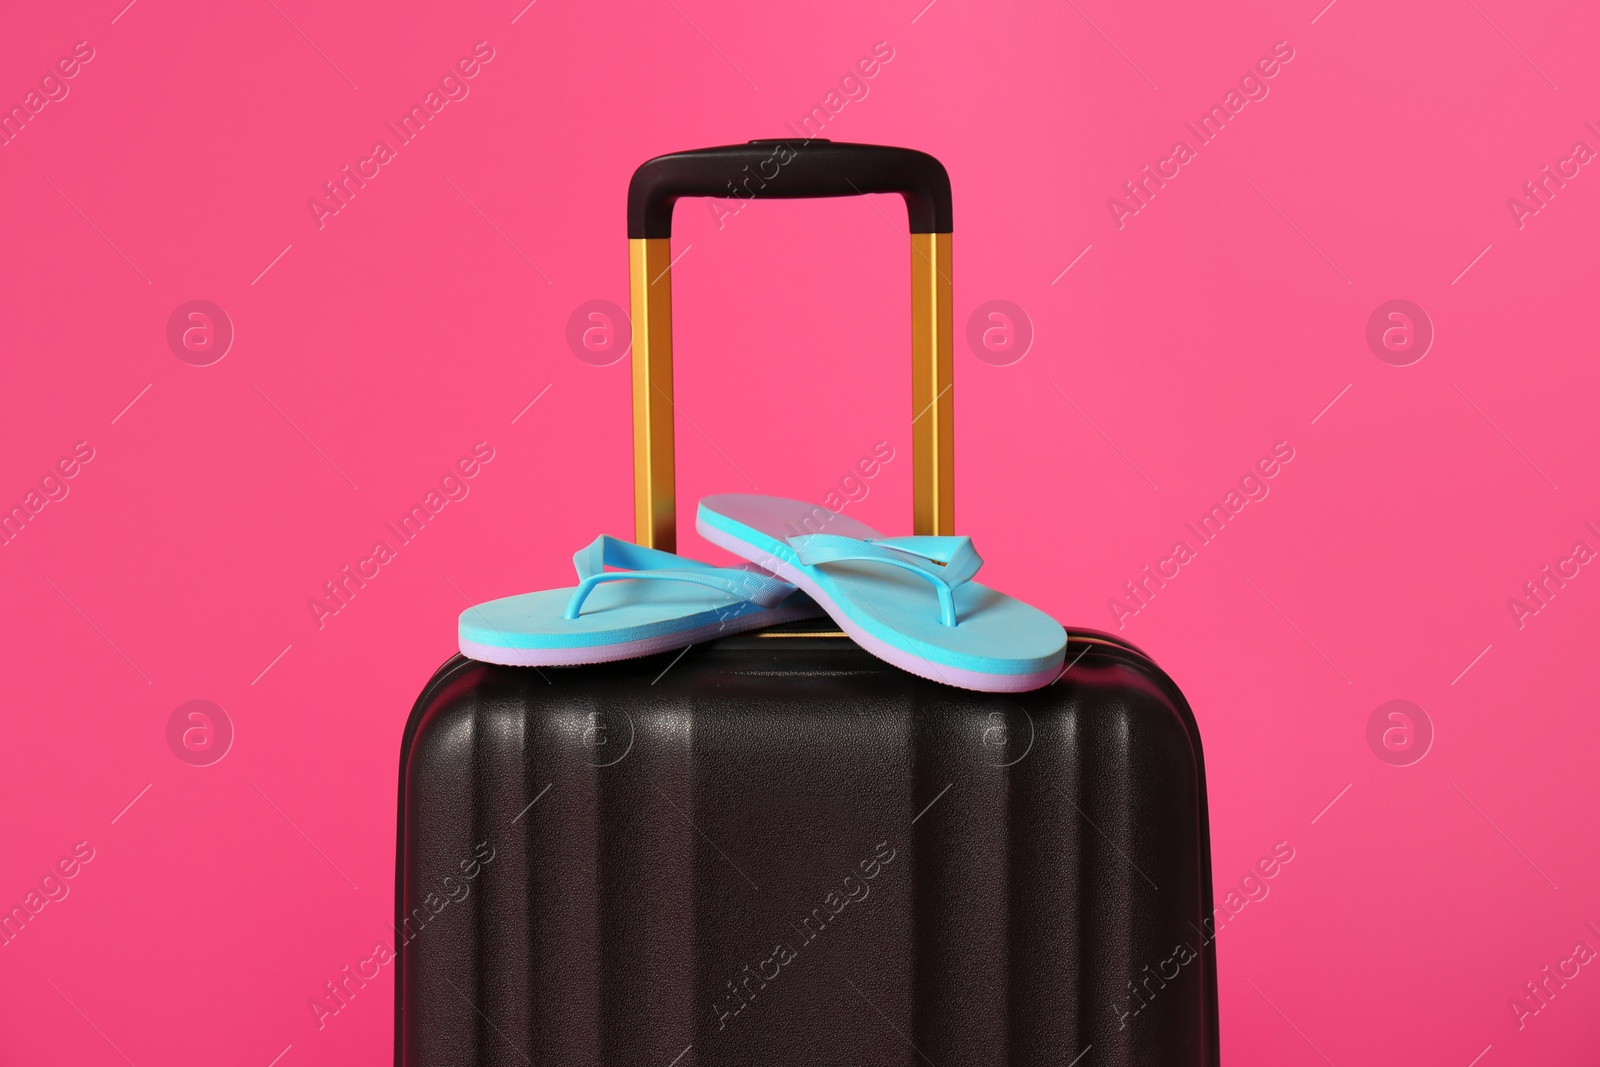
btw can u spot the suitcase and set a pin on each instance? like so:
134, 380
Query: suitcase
774, 849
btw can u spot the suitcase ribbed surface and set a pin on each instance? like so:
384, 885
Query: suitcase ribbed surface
779, 851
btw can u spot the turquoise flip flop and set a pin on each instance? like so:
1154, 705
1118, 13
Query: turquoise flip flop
907, 600
655, 602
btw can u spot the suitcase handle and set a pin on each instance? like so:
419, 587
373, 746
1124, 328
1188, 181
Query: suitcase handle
790, 170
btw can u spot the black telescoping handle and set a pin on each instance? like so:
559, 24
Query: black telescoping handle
788, 170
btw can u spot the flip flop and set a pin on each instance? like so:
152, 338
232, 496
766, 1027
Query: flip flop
656, 602
907, 600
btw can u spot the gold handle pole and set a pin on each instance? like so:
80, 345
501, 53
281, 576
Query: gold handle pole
650, 288
932, 375
932, 402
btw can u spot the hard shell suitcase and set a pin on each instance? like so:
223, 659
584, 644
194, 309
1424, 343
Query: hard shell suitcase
775, 849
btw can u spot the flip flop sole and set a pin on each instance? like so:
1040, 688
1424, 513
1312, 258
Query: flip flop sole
632, 649
965, 678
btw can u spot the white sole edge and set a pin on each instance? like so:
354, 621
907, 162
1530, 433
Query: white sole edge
899, 657
572, 657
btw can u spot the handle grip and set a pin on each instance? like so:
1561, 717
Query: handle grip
788, 170
779, 170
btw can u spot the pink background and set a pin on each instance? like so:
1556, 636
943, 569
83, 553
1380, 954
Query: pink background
373, 352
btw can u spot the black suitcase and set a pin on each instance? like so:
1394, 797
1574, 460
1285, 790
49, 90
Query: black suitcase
774, 849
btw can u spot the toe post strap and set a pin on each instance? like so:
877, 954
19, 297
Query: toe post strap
635, 562
945, 562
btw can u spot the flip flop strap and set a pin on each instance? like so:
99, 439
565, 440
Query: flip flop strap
946, 562
604, 552
638, 562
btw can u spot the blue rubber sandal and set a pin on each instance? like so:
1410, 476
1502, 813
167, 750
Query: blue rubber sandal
655, 602
907, 600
